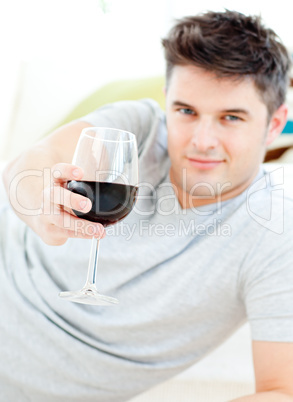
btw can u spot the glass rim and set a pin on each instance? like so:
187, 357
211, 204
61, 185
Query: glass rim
84, 130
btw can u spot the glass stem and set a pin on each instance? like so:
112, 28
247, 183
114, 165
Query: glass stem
93, 262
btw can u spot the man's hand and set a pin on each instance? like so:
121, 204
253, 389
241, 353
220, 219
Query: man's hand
57, 222
36, 186
273, 367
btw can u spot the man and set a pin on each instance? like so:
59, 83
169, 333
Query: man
199, 256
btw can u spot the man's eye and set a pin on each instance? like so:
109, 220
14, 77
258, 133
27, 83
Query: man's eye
230, 117
185, 110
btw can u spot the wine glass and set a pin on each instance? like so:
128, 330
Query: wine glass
109, 161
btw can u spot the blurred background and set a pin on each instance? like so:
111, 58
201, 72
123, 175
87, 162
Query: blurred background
54, 54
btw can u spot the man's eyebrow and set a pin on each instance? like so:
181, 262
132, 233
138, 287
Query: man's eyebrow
242, 111
180, 103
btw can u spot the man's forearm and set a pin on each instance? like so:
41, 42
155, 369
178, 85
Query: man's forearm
270, 396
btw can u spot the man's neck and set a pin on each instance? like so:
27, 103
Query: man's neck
187, 200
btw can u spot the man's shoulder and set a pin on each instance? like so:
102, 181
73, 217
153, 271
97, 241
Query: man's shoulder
265, 209
137, 113
142, 106
269, 209
280, 176
271, 193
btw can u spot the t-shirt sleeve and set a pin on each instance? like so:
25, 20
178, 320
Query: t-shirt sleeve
268, 287
137, 117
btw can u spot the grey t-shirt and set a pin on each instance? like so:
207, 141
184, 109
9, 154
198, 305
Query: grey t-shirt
185, 279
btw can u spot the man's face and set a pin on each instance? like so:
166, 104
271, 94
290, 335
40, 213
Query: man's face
217, 134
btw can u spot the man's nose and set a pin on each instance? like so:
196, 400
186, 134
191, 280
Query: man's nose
204, 135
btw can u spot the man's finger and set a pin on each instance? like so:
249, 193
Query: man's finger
63, 172
57, 197
76, 226
71, 200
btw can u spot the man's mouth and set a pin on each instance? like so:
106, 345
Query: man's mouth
204, 163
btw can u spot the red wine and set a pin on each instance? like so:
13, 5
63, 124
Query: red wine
111, 202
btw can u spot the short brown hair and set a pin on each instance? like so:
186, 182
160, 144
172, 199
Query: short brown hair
231, 44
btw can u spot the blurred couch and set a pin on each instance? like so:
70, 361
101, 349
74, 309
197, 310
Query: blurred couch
280, 151
153, 88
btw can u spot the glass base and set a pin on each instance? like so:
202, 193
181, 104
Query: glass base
88, 295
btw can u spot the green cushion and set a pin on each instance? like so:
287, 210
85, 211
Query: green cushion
120, 90
127, 90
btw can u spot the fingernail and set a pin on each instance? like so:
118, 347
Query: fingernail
83, 204
56, 174
76, 173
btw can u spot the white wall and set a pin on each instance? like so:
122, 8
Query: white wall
55, 53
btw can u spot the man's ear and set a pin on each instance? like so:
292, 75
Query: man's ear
277, 123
